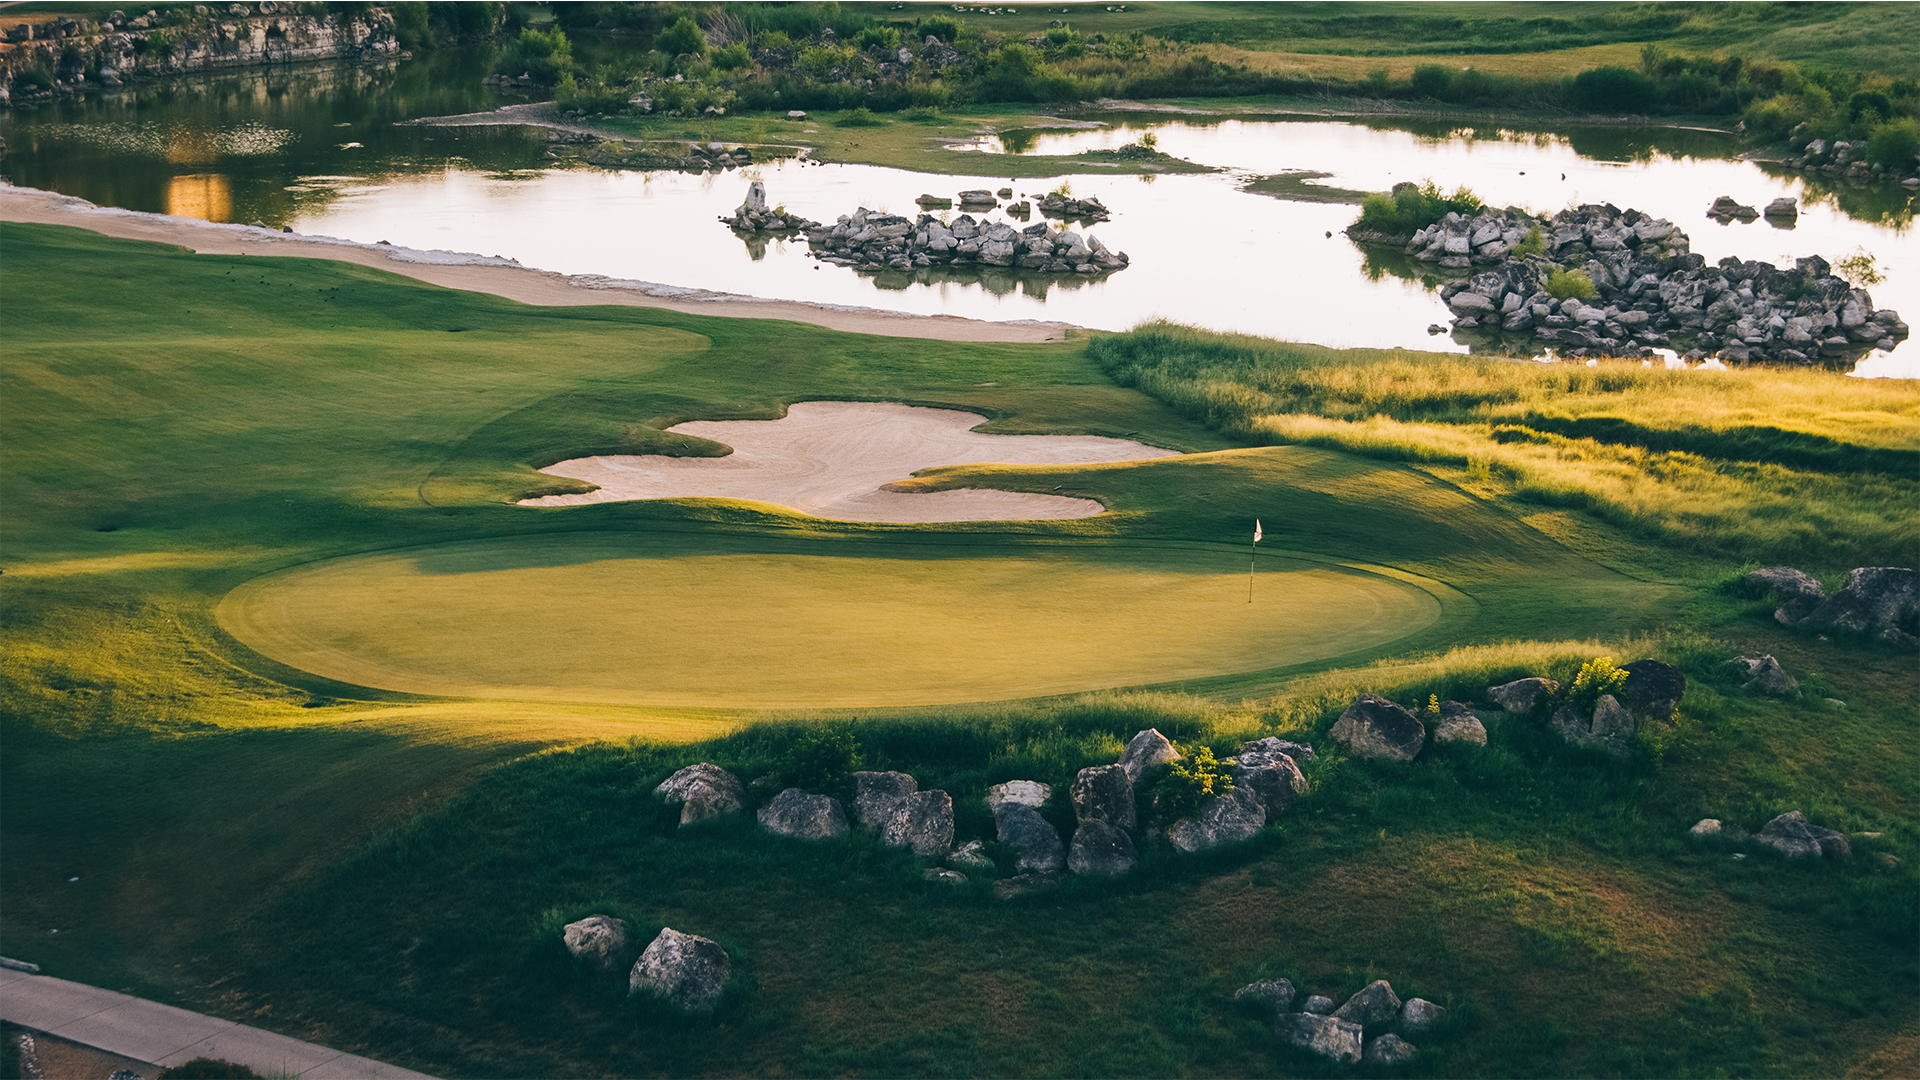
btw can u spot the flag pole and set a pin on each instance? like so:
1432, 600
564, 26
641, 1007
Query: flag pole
1252, 554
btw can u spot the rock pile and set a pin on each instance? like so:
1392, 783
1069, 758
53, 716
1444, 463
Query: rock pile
1840, 157
754, 215
1879, 601
1362, 1029
1066, 208
1648, 290
869, 239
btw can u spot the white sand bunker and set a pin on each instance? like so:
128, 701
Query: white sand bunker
832, 459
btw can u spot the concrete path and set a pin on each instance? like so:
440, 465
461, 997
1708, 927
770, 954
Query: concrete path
163, 1035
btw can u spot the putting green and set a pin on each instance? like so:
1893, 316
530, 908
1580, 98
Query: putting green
758, 623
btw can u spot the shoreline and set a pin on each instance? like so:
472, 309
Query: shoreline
502, 277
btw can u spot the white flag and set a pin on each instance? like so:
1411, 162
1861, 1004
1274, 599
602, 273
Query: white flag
1256, 530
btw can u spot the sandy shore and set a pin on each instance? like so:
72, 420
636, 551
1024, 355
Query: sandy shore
500, 277
834, 459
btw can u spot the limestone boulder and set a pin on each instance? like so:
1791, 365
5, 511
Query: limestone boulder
600, 940
1706, 826
1785, 581
1792, 835
795, 813
1876, 600
1272, 995
922, 822
1145, 750
1272, 783
1101, 849
1610, 728
1653, 689
703, 791
684, 970
1765, 675
877, 794
1261, 751
1418, 1015
1025, 792
1318, 1004
1523, 695
1375, 1004
1459, 724
1387, 1050
1223, 819
1374, 727
1104, 793
1323, 1035
1032, 838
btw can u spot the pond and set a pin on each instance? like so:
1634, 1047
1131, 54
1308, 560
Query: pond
319, 150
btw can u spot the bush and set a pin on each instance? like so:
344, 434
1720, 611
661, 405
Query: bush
683, 38
944, 27
731, 57
860, 117
1597, 677
877, 37
1534, 244
1571, 283
822, 758
1432, 80
1411, 208
1868, 101
1192, 780
1614, 89
544, 55
1895, 144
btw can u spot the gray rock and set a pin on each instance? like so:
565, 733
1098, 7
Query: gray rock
1792, 835
1522, 695
876, 795
1033, 839
1272, 783
1273, 994
971, 856
600, 940
1652, 690
1377, 728
1223, 819
1418, 1014
1260, 751
1006, 888
804, 817
1145, 750
1104, 793
1706, 826
1025, 792
703, 791
756, 197
923, 821
1388, 1050
689, 972
1336, 1039
1101, 850
1318, 1004
1376, 1004
952, 879
1786, 581
1461, 729
1610, 728
1765, 675
1875, 600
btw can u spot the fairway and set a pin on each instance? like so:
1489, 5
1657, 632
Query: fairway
616, 617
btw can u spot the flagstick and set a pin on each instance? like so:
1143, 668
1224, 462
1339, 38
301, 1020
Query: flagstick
1250, 558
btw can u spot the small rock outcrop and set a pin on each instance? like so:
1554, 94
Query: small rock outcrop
687, 971
1727, 208
1318, 1004
600, 940
1145, 750
1067, 208
1374, 727
1610, 728
1223, 819
870, 240
1101, 849
1785, 208
1417, 1015
1323, 1035
1260, 751
1653, 690
923, 822
1522, 696
1800, 592
795, 813
703, 791
1459, 724
1765, 675
1879, 601
1272, 784
1706, 826
1792, 835
1032, 838
1025, 792
1275, 995
1375, 1004
1387, 1049
1104, 793
877, 794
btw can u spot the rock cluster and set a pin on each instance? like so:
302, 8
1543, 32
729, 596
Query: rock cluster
1362, 1029
1840, 157
1764, 675
1879, 601
872, 240
1266, 780
891, 805
1792, 835
1648, 291
755, 216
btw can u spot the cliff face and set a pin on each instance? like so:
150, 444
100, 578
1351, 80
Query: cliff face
64, 56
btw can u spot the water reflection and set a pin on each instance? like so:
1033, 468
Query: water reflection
206, 196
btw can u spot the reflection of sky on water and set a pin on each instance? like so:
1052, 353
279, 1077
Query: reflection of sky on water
1203, 251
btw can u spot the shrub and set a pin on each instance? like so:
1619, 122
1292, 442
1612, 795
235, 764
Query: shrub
731, 57
1868, 101
683, 38
944, 27
1597, 677
1412, 207
860, 117
1431, 80
1534, 244
1571, 283
1192, 780
1614, 89
1895, 144
772, 39
544, 55
877, 37
821, 758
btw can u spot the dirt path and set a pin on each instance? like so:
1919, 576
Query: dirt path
500, 277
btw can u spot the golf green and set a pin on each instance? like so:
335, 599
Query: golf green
769, 623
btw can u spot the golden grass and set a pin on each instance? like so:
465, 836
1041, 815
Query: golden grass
1560, 62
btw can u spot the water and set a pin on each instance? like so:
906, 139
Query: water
318, 150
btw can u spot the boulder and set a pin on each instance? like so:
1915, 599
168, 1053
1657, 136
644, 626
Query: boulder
1101, 850
1706, 826
1610, 728
1145, 750
1025, 792
1784, 207
1461, 729
1318, 1004
1104, 793
1272, 783
1522, 695
703, 791
1260, 751
1032, 838
1223, 819
1875, 600
756, 197
804, 817
1652, 690
687, 971
600, 940
1418, 1014
923, 821
877, 794
1387, 1050
1765, 675
1786, 581
1336, 1039
1792, 835
1376, 1004
971, 856
1374, 727
1275, 995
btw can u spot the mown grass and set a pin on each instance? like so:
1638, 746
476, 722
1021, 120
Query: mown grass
1759, 463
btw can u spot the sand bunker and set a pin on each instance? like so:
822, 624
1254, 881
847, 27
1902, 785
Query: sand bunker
832, 459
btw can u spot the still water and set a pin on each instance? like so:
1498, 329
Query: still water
319, 150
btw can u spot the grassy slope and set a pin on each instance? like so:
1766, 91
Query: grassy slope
221, 431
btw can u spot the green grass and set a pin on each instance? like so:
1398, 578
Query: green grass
385, 872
